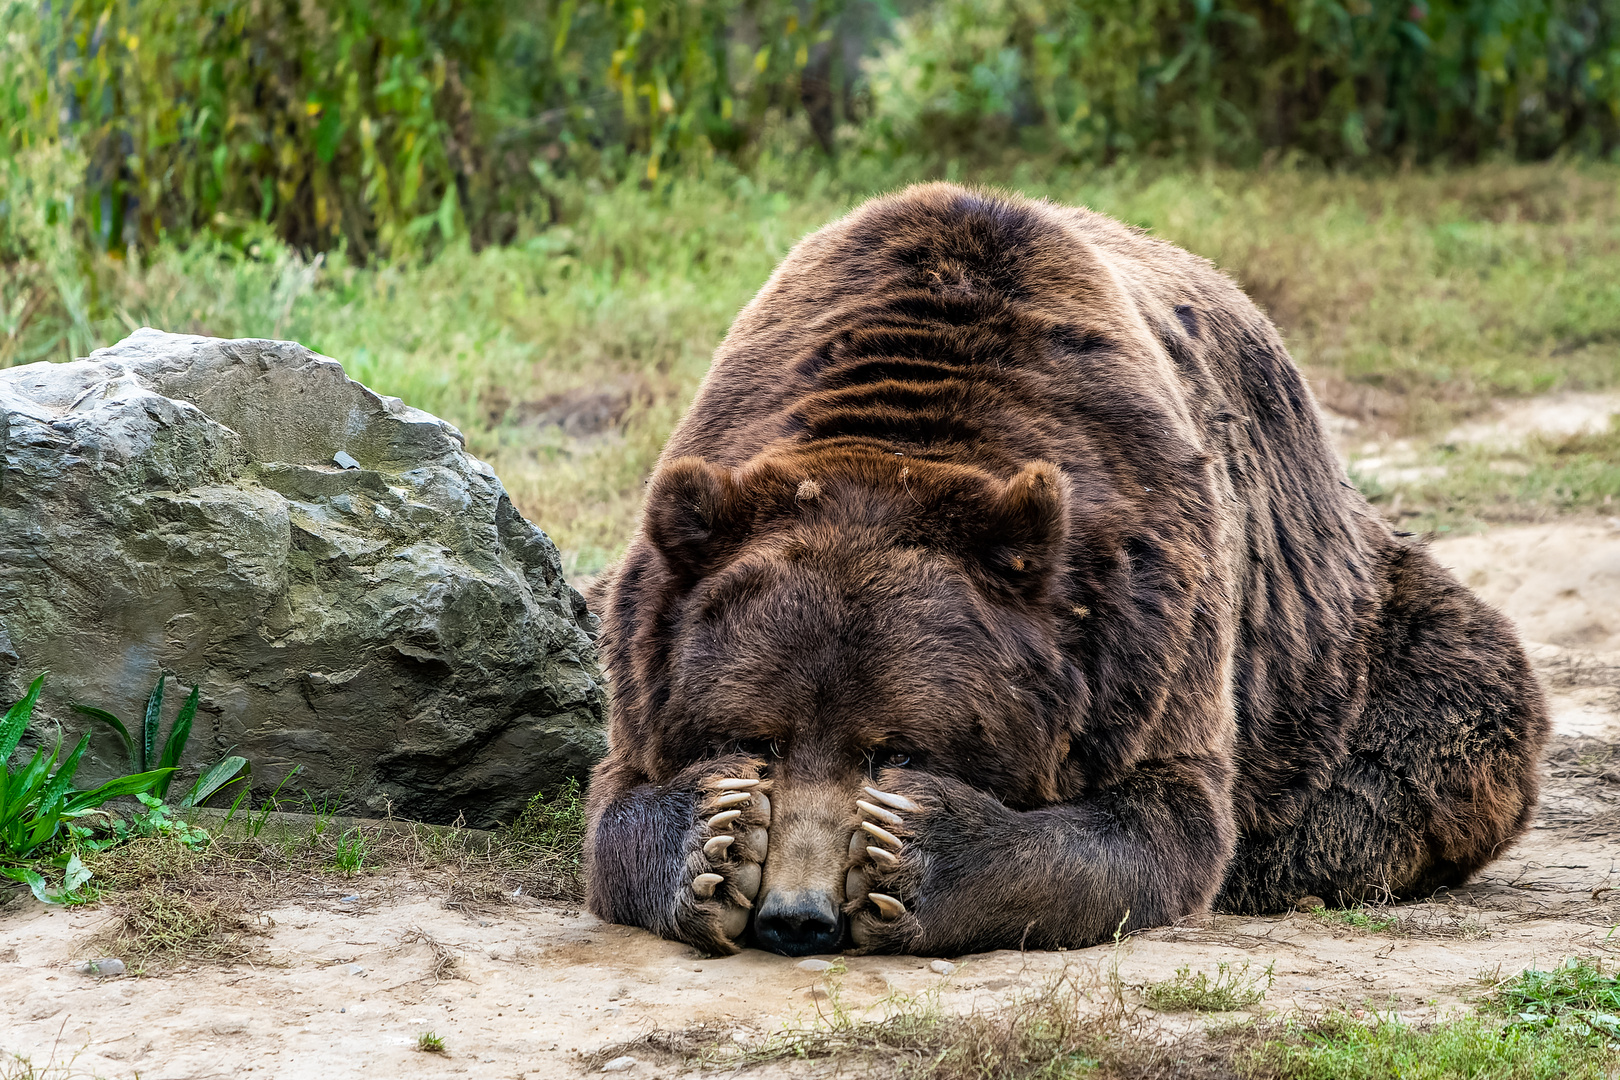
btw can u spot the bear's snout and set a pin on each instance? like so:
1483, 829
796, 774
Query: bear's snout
800, 906
799, 923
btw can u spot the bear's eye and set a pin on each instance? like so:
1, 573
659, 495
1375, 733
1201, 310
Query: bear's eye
763, 748
887, 759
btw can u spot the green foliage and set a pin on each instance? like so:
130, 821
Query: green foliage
38, 801
143, 751
395, 127
1229, 989
1577, 997
551, 828
1343, 1047
390, 126
350, 854
1371, 920
429, 1043
1231, 80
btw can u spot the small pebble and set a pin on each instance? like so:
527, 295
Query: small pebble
620, 1064
349, 899
354, 969
815, 965
107, 966
942, 967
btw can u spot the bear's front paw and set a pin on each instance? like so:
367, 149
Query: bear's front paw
730, 840
883, 875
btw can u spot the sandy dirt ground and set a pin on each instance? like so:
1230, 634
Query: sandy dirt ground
343, 983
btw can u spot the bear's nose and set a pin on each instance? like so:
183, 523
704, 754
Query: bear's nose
799, 923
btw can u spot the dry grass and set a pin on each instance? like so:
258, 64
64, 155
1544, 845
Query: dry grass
1075, 1025
172, 904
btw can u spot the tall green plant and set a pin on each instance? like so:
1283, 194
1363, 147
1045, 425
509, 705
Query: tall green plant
37, 800
144, 752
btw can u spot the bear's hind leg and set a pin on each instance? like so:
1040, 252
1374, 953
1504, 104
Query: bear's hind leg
1441, 770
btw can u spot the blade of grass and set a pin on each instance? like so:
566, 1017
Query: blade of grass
16, 719
111, 721
149, 726
112, 789
226, 772
179, 735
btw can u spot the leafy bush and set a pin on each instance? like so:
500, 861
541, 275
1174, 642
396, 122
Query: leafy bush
37, 801
389, 128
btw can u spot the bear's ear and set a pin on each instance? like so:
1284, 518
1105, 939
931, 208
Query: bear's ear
1025, 529
694, 516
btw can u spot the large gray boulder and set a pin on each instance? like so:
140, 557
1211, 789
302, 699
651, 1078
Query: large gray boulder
353, 592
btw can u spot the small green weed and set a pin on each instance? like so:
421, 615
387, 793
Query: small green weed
1372, 920
1231, 988
550, 832
1577, 996
429, 1043
350, 854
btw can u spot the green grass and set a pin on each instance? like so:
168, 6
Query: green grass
1371, 920
1229, 989
1413, 300
1537, 478
1342, 1047
1577, 996
429, 1043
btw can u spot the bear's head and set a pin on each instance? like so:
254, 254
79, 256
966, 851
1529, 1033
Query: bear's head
841, 614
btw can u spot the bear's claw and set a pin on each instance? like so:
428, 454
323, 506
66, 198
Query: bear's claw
882, 834
898, 802
887, 858
876, 852
734, 880
888, 905
878, 812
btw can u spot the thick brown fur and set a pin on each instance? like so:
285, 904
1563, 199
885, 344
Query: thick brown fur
1039, 508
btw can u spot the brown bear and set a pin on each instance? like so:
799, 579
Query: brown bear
1001, 589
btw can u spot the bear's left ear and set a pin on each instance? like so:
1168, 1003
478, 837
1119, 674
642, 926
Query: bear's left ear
1024, 531
694, 516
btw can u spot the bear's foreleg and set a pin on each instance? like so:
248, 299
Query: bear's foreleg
938, 867
681, 859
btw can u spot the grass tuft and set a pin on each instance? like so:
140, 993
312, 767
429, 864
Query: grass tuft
1370, 920
1229, 989
429, 1043
1064, 1030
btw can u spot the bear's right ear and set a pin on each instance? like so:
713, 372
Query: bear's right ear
693, 516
